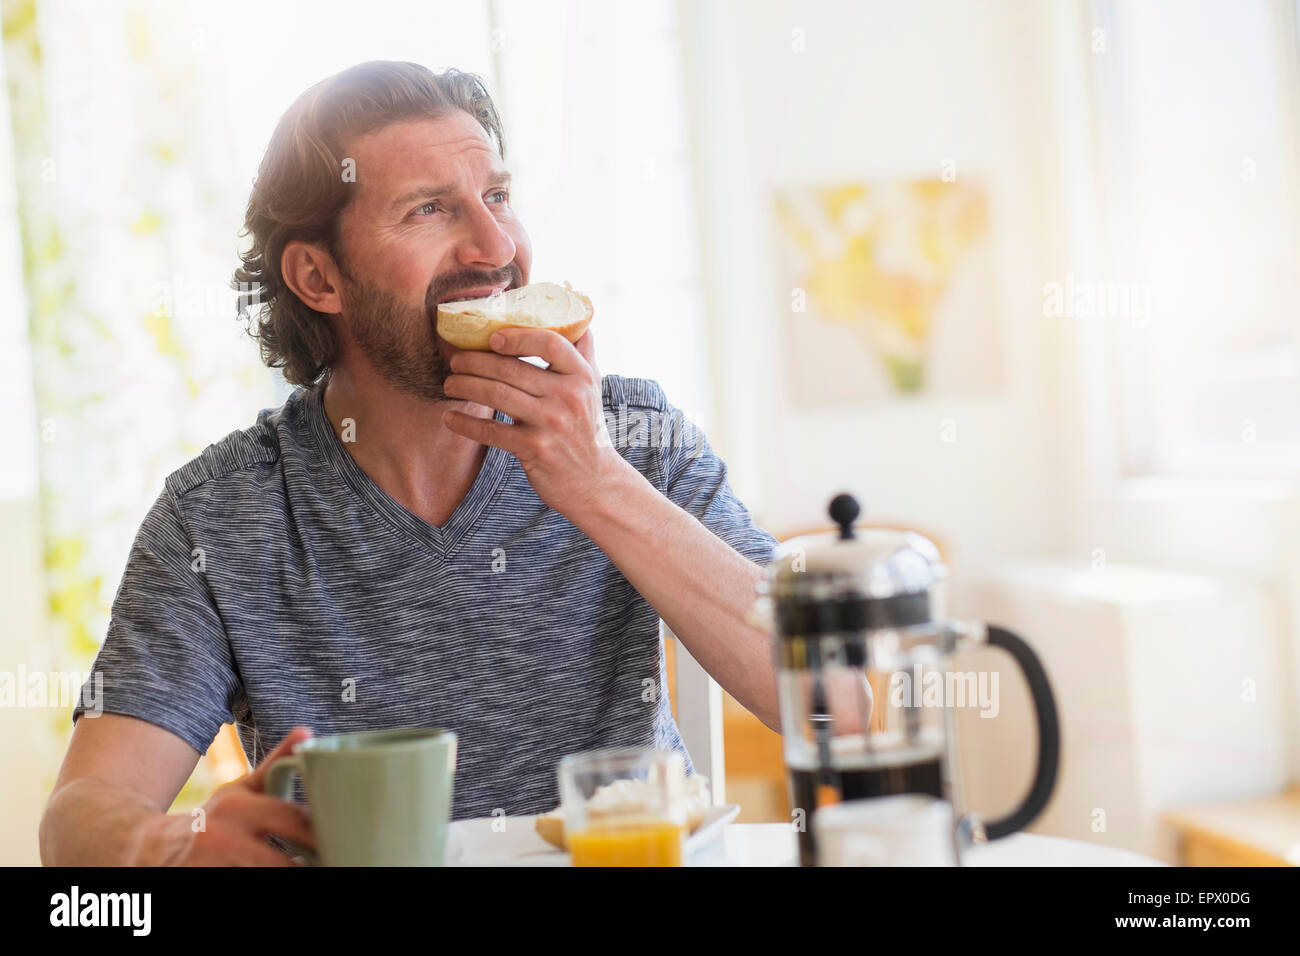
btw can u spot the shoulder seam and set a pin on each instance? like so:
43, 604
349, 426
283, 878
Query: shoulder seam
641, 392
235, 452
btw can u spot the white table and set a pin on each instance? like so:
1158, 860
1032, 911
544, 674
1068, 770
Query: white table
774, 844
512, 841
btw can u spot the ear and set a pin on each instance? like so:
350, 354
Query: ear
312, 275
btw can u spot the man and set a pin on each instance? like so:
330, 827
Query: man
419, 536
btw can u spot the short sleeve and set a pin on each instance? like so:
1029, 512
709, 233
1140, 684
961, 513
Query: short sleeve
166, 658
696, 481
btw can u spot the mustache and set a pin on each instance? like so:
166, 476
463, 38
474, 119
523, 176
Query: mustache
438, 289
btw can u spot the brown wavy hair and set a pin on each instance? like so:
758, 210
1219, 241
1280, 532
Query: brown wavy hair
301, 191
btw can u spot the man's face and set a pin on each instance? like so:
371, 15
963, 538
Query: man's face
431, 221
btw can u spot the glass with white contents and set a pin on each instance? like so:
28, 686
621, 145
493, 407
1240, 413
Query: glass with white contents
911, 829
624, 807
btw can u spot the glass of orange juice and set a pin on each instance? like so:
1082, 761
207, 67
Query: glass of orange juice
624, 807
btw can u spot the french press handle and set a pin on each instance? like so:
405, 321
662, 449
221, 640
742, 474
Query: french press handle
1049, 735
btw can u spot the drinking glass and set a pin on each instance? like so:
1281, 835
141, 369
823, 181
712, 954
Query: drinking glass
624, 807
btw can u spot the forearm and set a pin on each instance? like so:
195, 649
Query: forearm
701, 587
90, 823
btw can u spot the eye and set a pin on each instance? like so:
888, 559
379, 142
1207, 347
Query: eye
430, 206
504, 194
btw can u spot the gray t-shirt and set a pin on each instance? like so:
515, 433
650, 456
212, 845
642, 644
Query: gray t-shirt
274, 584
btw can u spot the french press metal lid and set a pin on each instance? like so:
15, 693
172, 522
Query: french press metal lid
854, 579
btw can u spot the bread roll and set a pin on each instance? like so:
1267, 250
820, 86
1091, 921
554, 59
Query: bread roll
550, 827
470, 324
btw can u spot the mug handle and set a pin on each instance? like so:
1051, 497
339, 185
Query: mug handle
279, 783
1049, 735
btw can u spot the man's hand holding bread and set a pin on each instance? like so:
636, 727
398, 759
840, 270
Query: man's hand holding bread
559, 433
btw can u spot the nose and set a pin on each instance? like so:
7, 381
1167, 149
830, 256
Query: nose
485, 245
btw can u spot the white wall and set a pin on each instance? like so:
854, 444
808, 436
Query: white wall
882, 90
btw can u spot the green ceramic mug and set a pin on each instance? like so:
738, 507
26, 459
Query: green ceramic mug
379, 798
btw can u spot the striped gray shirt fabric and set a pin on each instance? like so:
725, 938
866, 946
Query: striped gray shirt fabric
274, 584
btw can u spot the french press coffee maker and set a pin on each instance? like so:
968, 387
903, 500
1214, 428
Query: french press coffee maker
866, 678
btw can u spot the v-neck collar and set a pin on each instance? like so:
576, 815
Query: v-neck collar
441, 540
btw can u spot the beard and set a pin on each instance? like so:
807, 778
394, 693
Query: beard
398, 340
401, 340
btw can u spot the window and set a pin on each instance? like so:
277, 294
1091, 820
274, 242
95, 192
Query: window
1198, 133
